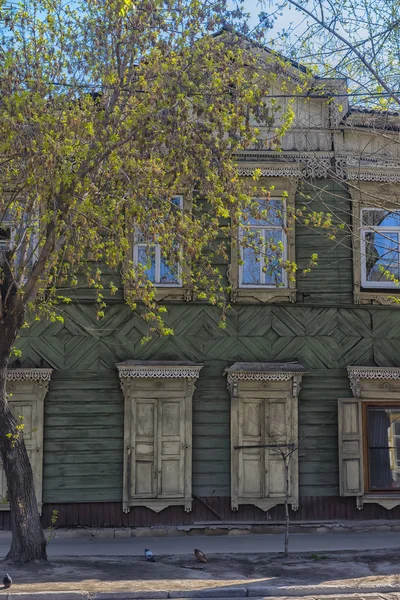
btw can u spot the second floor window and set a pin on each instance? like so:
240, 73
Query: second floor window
263, 243
5, 236
380, 247
150, 255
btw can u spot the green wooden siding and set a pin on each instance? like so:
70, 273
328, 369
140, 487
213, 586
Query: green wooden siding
332, 280
83, 437
84, 407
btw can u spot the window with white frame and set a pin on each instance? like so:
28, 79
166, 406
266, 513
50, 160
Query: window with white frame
380, 247
150, 256
263, 241
5, 235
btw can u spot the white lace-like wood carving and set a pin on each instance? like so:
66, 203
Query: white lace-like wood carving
159, 371
319, 165
374, 372
235, 376
260, 376
29, 374
357, 373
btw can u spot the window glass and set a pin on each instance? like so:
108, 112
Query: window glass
146, 256
5, 236
381, 254
263, 260
150, 255
383, 431
380, 218
380, 247
271, 212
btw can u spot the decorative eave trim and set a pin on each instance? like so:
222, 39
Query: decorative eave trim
357, 373
261, 375
159, 372
234, 376
29, 374
317, 165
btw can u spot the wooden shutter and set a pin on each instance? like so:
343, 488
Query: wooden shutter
171, 452
350, 447
251, 460
157, 442
263, 413
26, 401
144, 448
277, 431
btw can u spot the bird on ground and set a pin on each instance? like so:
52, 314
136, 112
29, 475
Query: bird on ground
7, 581
149, 555
201, 557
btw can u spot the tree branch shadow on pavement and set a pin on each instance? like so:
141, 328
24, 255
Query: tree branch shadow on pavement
223, 571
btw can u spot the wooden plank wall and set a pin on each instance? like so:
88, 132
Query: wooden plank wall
110, 514
323, 331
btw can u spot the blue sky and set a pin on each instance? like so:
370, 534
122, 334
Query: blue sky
289, 15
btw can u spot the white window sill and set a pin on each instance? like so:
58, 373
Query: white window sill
263, 294
375, 296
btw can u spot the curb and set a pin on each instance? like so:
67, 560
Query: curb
214, 594
219, 529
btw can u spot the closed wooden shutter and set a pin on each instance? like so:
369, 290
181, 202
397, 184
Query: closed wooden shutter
158, 434
171, 455
144, 448
26, 400
264, 432
251, 460
277, 426
350, 447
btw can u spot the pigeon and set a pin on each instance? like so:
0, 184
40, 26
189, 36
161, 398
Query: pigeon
7, 581
149, 555
200, 556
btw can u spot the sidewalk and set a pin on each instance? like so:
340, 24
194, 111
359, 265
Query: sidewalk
221, 544
240, 566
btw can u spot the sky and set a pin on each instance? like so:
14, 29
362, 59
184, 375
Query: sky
289, 16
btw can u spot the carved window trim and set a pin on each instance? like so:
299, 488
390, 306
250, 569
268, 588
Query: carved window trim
40, 379
164, 292
264, 374
389, 393
161, 374
266, 294
362, 196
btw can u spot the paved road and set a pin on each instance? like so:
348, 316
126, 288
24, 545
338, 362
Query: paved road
299, 542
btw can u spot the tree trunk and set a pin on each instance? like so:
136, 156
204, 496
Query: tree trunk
28, 541
287, 518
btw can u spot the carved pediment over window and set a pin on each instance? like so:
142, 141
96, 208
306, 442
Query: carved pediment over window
358, 373
264, 371
29, 374
158, 369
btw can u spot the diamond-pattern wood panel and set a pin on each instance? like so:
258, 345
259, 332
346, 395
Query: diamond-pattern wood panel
321, 338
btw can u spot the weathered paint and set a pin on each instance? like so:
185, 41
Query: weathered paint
83, 438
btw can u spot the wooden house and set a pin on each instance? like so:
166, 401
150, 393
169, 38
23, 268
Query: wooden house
176, 431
